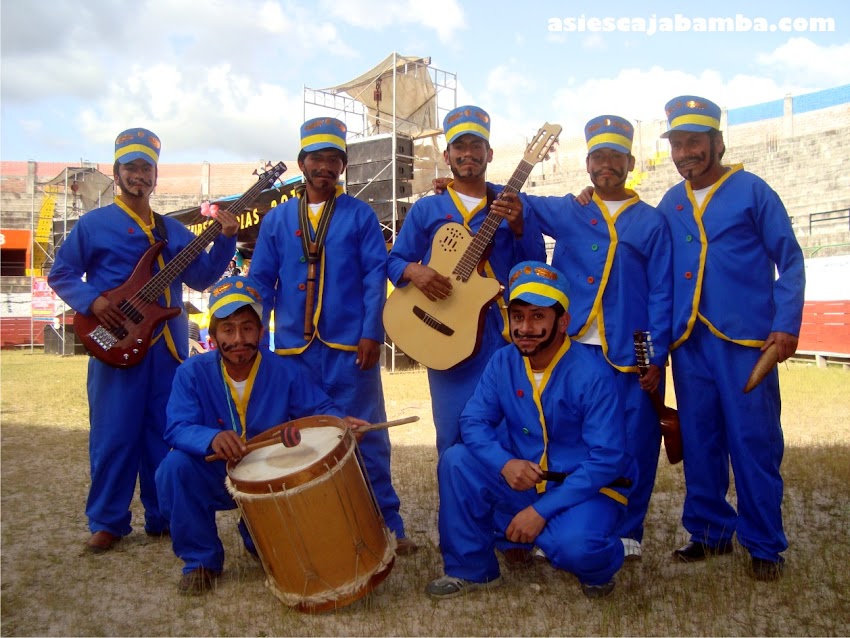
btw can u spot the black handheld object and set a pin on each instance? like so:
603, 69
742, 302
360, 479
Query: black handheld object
558, 477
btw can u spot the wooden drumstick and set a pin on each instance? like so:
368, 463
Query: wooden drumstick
385, 424
290, 436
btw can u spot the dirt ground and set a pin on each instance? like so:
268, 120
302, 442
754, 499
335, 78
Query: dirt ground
52, 587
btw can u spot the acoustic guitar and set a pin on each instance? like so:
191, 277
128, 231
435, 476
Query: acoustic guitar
126, 345
668, 418
444, 333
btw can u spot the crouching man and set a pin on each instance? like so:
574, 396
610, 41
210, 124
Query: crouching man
218, 401
562, 413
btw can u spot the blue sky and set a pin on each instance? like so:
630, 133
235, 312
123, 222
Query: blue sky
222, 80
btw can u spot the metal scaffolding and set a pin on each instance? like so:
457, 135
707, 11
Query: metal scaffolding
402, 96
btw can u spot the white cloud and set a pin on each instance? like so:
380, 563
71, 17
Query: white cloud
444, 17
214, 109
803, 61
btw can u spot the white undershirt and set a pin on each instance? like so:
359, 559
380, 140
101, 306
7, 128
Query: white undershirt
471, 203
239, 386
538, 377
592, 335
699, 195
614, 205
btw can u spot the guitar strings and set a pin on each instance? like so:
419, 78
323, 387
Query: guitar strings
149, 293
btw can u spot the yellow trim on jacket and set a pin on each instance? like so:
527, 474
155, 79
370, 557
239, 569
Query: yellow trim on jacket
698, 212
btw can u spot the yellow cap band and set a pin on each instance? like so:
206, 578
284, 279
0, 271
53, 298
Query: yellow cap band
333, 140
137, 148
231, 299
467, 127
609, 138
543, 290
693, 118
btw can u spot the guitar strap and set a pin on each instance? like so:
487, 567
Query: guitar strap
159, 225
312, 247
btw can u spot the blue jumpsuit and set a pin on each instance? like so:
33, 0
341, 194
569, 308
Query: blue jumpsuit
450, 389
575, 421
202, 405
127, 406
726, 302
350, 298
619, 264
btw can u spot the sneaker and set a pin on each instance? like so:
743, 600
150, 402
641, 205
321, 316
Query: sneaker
631, 549
451, 587
198, 581
767, 570
597, 591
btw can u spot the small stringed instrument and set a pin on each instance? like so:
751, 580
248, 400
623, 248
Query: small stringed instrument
126, 345
441, 334
668, 417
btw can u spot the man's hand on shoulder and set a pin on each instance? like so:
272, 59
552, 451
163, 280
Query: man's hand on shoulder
585, 196
440, 184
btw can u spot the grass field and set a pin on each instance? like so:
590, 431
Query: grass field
50, 586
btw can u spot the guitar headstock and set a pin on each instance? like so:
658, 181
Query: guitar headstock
542, 143
270, 175
644, 350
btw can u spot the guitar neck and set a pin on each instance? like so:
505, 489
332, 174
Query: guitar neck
152, 290
475, 251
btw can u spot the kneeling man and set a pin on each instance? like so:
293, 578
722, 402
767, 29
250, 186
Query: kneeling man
562, 413
218, 401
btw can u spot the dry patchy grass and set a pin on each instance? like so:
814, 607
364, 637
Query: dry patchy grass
51, 587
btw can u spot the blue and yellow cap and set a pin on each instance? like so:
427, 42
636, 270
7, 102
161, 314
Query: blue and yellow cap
323, 132
137, 143
539, 284
232, 293
609, 131
691, 113
466, 120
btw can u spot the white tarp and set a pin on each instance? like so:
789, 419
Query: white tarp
416, 113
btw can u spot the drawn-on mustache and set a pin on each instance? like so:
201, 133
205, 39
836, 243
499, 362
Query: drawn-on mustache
518, 335
232, 346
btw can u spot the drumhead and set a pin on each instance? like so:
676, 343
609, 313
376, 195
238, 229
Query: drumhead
277, 461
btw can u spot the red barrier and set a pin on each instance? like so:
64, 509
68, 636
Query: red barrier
826, 328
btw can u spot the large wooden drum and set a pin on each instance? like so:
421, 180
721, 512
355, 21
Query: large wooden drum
313, 516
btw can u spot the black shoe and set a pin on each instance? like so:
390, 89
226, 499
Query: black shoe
517, 557
767, 570
163, 533
598, 591
695, 551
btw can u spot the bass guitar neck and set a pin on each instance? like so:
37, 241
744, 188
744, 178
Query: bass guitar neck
125, 345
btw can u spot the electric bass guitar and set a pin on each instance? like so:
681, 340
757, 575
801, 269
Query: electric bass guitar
441, 334
668, 417
126, 345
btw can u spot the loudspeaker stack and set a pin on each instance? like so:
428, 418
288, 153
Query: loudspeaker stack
369, 177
